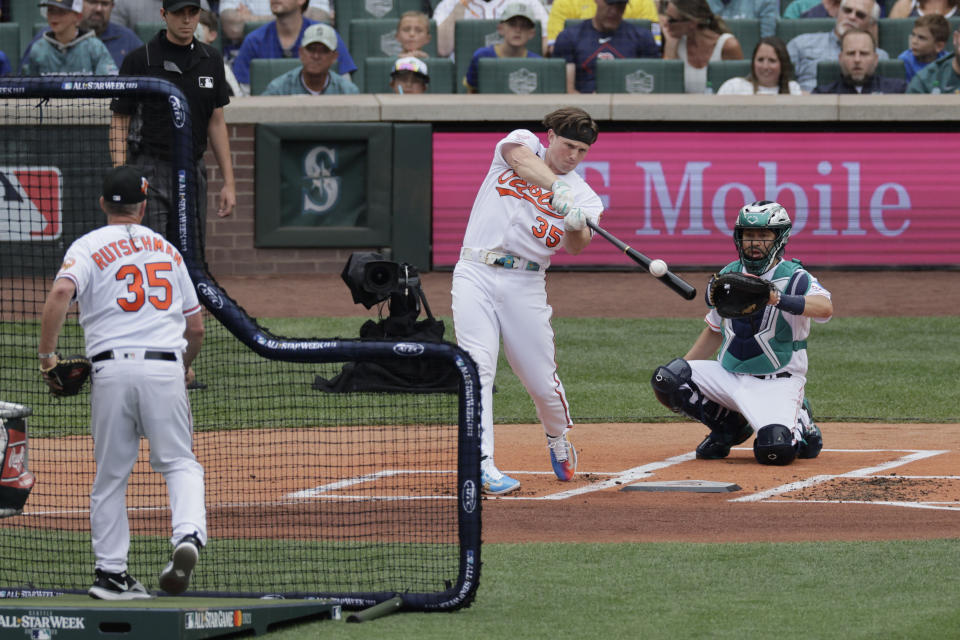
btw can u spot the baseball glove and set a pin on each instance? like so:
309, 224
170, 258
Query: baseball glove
67, 376
737, 295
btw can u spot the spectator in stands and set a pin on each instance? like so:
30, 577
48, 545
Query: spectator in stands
318, 53
917, 8
928, 42
812, 9
413, 34
563, 10
119, 39
858, 67
409, 75
130, 13
281, 39
234, 13
940, 76
693, 33
5, 68
207, 32
766, 11
604, 37
448, 12
66, 48
517, 28
771, 72
807, 49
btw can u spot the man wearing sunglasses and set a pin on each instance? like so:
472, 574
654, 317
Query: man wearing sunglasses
807, 49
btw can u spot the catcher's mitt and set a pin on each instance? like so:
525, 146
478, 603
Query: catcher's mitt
67, 376
737, 295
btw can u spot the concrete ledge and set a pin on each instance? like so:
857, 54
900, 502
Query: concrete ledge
452, 108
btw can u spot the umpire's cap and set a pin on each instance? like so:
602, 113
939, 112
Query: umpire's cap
124, 185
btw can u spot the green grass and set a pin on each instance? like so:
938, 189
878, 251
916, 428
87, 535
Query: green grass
861, 369
839, 590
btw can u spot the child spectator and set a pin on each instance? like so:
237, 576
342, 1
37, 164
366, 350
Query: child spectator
65, 48
409, 75
516, 27
928, 42
413, 34
207, 31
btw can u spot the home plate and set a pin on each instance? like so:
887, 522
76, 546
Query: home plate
693, 486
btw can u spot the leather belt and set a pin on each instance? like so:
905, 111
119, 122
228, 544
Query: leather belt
782, 374
147, 355
499, 259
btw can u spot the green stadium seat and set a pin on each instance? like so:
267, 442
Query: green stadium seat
747, 32
253, 26
346, 11
10, 43
828, 71
787, 30
376, 38
640, 75
377, 75
263, 70
470, 35
25, 13
954, 23
147, 30
720, 71
521, 75
893, 34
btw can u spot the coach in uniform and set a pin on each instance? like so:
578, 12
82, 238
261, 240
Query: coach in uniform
531, 204
142, 327
197, 70
758, 377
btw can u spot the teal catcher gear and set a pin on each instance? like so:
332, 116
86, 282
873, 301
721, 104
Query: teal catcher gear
763, 214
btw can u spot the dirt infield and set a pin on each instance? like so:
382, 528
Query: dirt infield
870, 480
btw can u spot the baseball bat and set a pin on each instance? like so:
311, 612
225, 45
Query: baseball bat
672, 280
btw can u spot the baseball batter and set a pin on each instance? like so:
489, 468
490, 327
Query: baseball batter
758, 377
142, 327
530, 204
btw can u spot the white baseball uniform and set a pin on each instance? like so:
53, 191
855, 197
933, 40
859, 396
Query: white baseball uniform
761, 367
134, 293
499, 287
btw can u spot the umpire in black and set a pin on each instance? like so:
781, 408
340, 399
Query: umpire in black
197, 69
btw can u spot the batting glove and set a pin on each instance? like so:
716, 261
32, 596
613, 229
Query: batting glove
575, 219
562, 198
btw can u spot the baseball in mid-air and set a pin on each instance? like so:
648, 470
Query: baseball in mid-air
658, 267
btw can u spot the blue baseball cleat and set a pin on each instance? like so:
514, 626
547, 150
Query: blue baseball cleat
495, 483
563, 457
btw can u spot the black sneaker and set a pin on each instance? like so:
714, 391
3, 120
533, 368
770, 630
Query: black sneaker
716, 446
175, 577
117, 586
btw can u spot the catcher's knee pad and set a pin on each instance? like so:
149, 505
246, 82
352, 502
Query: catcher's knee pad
16, 481
774, 444
668, 381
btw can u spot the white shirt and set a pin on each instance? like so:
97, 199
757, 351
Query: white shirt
515, 218
694, 79
132, 287
478, 9
743, 87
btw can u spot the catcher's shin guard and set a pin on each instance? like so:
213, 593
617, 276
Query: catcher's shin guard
16, 481
673, 385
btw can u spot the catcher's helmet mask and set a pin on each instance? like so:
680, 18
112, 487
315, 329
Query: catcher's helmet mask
762, 214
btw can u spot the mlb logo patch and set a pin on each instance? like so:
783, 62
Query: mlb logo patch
31, 203
206, 82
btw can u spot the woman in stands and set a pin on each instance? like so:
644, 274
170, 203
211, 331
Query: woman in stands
771, 72
917, 8
695, 35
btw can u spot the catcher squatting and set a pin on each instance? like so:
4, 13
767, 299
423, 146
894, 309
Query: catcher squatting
760, 307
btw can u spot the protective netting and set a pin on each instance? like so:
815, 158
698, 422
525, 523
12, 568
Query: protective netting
355, 496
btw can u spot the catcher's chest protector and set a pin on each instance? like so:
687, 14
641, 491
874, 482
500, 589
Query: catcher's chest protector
16, 481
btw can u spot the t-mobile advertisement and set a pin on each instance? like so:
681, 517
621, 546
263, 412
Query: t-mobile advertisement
856, 199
